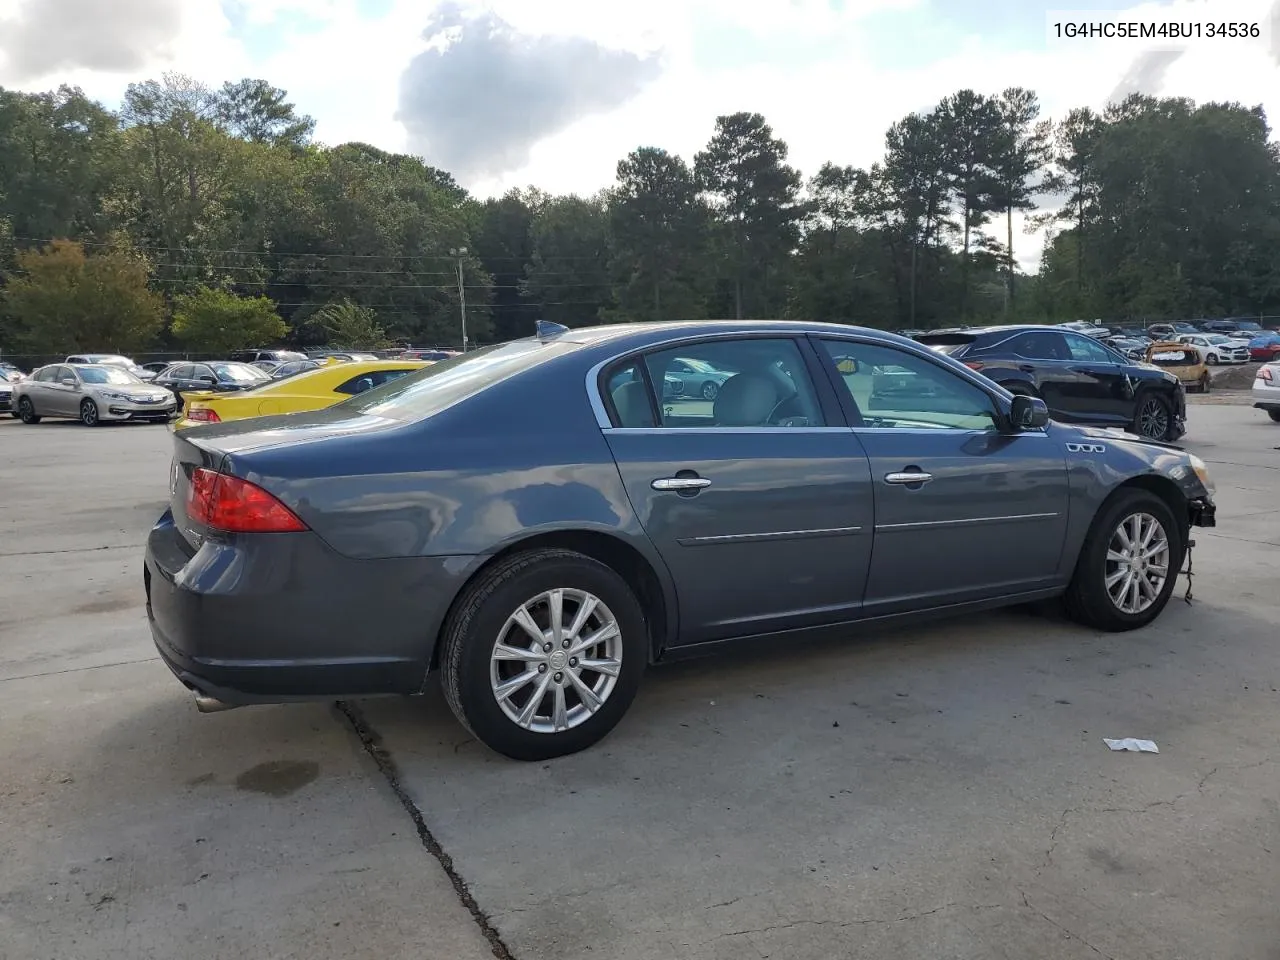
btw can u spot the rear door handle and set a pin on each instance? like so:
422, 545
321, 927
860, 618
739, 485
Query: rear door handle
680, 483
910, 476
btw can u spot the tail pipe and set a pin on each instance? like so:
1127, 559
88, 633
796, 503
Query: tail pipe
209, 705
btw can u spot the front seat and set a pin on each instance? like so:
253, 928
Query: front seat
745, 400
631, 400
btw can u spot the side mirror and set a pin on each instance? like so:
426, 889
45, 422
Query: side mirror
68, 381
1028, 413
208, 379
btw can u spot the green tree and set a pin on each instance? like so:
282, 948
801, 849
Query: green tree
568, 272
659, 232
970, 124
346, 324
1022, 151
909, 200
754, 195
503, 242
1074, 144
256, 111
59, 165
216, 321
64, 301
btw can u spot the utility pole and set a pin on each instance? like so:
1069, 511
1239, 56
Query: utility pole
459, 253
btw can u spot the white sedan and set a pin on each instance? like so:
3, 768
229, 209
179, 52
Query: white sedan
1218, 347
92, 393
1266, 390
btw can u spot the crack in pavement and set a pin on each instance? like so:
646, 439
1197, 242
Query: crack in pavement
859, 921
49, 553
372, 743
95, 666
1026, 902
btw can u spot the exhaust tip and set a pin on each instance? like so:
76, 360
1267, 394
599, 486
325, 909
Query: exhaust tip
209, 705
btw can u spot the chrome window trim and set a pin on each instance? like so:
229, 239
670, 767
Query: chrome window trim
772, 431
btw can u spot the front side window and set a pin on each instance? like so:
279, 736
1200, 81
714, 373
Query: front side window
893, 389
749, 382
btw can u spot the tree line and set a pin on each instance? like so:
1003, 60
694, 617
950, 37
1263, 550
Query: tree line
210, 219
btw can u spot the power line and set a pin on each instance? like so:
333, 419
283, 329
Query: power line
307, 253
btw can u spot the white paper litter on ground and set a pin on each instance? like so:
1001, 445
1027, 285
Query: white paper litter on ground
1132, 743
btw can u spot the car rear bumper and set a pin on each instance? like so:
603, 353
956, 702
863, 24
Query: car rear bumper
273, 618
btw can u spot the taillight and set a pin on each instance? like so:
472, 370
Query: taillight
973, 364
203, 415
228, 503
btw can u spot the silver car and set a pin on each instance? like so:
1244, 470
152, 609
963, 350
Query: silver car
91, 393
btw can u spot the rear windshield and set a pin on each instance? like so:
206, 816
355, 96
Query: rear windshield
1174, 358
238, 372
440, 385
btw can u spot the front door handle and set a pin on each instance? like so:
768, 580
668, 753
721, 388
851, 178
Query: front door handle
680, 483
910, 476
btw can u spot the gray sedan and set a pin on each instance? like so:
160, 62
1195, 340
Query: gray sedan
92, 393
534, 523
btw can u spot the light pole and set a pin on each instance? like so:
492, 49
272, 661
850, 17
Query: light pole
459, 253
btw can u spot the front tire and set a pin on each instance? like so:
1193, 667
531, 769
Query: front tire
27, 411
1129, 564
89, 413
1154, 417
1274, 415
543, 654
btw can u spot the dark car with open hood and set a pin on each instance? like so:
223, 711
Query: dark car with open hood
539, 521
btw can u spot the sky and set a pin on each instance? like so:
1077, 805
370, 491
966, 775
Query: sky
553, 93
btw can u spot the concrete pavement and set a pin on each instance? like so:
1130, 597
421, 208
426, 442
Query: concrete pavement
939, 792
130, 826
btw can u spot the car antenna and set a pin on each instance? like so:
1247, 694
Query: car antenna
546, 330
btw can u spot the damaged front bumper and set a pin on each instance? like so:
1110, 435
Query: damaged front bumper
1202, 512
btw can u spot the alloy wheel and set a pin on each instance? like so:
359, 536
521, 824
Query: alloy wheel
89, 413
1153, 419
709, 390
1137, 564
556, 660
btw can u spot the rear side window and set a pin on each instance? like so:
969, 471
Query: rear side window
428, 391
1039, 345
628, 396
367, 381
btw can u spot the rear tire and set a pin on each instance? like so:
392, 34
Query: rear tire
471, 668
1212, 359
1089, 599
27, 411
709, 390
1206, 383
1274, 415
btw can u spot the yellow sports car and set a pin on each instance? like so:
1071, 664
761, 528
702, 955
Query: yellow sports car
304, 391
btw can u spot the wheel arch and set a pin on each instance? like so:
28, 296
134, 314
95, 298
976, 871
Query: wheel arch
653, 589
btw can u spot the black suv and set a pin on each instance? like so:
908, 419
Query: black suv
1080, 379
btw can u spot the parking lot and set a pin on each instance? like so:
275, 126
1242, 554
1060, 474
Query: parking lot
937, 792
